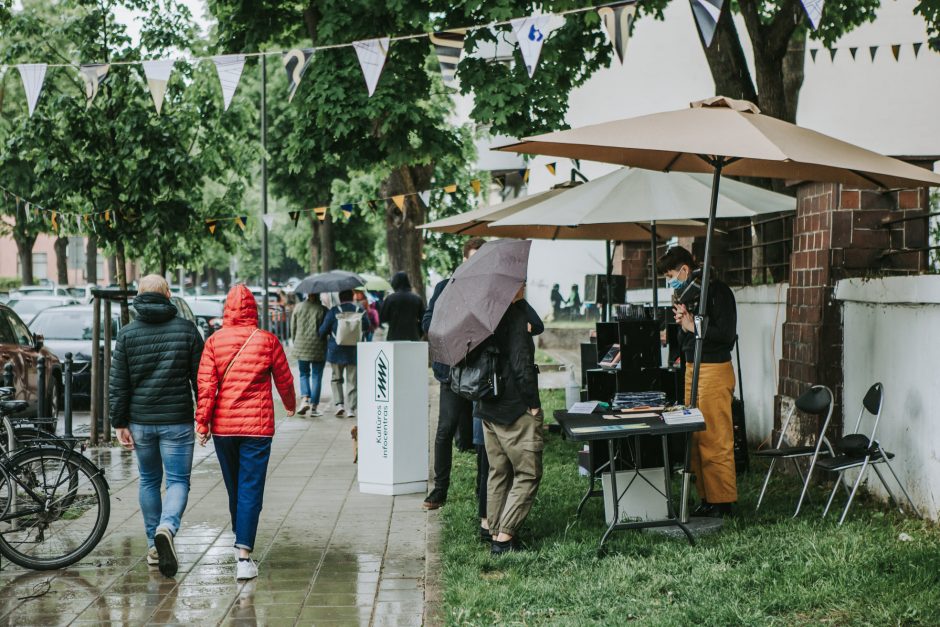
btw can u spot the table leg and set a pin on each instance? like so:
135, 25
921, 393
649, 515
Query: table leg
595, 475
670, 507
614, 497
686, 480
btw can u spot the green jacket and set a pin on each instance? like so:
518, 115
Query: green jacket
153, 369
304, 323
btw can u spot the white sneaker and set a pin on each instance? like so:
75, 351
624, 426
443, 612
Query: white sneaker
314, 412
350, 415
153, 558
246, 569
340, 412
304, 406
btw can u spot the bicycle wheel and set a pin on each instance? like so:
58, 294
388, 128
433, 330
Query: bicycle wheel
58, 511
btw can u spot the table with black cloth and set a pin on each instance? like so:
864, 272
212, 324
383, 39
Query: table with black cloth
572, 424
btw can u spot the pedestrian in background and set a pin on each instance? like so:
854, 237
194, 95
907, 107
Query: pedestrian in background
150, 394
402, 311
343, 328
361, 298
236, 408
309, 349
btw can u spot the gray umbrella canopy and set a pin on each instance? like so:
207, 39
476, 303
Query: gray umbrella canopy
475, 299
332, 281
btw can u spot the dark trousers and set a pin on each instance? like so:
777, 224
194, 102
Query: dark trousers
456, 414
483, 471
244, 463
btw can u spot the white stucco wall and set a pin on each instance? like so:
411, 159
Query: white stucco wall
891, 330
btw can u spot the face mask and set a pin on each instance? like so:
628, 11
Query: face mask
674, 283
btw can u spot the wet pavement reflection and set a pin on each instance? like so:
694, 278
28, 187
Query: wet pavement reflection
326, 553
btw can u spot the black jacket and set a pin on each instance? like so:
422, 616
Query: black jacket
403, 311
441, 371
517, 367
153, 370
721, 330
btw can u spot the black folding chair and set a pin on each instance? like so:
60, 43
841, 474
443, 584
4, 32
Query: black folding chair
857, 450
817, 401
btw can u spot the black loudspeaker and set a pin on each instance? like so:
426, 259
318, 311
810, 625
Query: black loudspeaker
601, 384
595, 288
639, 343
589, 359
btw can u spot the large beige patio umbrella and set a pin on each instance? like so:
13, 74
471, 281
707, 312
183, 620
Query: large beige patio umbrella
725, 136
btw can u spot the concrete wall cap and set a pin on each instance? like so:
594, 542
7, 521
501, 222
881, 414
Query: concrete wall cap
908, 290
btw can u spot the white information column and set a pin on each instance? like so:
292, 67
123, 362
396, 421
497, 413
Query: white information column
393, 417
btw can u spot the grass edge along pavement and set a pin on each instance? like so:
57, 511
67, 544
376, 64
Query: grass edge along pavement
762, 569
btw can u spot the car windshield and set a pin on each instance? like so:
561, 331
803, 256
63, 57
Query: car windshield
66, 324
78, 292
38, 291
31, 306
206, 308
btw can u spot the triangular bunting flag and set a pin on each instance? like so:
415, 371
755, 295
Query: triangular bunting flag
33, 75
107, 216
618, 20
229, 68
399, 201
551, 167
706, 14
268, 220
55, 225
295, 216
872, 50
425, 197
373, 206
158, 74
812, 53
211, 224
524, 175
832, 53
93, 74
917, 49
295, 63
852, 51
475, 184
814, 9
242, 222
531, 33
347, 210
448, 45
896, 51
451, 189
372, 53
321, 213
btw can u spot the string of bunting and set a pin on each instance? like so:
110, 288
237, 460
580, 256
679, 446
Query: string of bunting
872, 50
59, 221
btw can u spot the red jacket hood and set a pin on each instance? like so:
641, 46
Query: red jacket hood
241, 310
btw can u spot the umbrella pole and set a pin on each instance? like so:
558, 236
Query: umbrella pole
700, 326
610, 271
653, 270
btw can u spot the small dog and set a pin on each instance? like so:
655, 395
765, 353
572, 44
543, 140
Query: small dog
354, 432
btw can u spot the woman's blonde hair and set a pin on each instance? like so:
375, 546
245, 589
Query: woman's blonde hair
153, 283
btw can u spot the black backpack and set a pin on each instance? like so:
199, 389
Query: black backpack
476, 377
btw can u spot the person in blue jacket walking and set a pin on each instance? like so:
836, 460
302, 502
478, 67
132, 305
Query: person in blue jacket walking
342, 356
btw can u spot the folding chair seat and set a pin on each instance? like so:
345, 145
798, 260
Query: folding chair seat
816, 401
857, 450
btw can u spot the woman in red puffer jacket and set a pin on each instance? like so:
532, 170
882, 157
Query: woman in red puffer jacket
236, 407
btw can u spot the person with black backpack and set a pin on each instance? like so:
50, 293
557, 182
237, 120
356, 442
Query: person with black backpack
512, 429
343, 327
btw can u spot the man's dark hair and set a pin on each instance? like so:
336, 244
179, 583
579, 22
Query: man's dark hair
345, 296
400, 281
675, 258
474, 243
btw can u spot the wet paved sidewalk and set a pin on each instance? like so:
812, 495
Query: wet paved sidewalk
327, 554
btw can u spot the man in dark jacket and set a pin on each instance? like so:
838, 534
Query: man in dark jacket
151, 392
402, 310
455, 414
512, 430
342, 358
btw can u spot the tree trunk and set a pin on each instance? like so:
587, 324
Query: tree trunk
405, 243
314, 243
327, 245
164, 268
61, 248
212, 278
121, 268
24, 248
727, 62
91, 258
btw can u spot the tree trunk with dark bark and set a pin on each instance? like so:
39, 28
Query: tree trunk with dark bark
405, 243
24, 249
91, 258
327, 245
61, 248
121, 268
314, 243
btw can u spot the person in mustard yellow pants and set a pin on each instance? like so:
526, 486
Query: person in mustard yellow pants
712, 449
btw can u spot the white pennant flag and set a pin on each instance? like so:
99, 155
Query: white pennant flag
158, 74
372, 53
93, 74
268, 219
814, 9
425, 197
229, 68
33, 75
531, 33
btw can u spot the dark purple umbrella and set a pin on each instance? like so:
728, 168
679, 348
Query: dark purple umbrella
475, 299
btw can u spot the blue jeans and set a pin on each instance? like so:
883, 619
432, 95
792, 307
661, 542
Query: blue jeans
311, 375
163, 448
244, 463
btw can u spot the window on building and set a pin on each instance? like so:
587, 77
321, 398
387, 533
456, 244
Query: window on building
40, 266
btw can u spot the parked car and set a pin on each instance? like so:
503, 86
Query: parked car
208, 312
187, 314
41, 290
82, 293
19, 346
27, 307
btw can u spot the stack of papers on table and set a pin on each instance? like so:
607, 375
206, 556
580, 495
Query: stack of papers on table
683, 416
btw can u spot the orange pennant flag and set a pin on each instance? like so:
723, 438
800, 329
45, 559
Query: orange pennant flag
451, 189
475, 183
399, 201
55, 225
321, 213
107, 215
211, 224
240, 221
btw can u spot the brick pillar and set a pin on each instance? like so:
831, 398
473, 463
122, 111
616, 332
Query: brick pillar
632, 259
838, 233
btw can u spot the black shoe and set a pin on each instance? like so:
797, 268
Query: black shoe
485, 535
702, 508
435, 499
713, 510
498, 548
163, 541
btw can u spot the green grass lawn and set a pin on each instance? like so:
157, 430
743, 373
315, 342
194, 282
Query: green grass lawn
542, 357
761, 569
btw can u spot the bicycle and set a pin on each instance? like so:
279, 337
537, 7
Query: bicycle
54, 502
